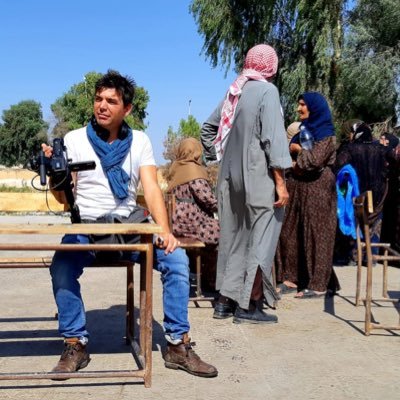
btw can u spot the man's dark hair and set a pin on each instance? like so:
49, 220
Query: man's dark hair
124, 85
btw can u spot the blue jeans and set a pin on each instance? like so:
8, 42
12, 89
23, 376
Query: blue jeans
67, 267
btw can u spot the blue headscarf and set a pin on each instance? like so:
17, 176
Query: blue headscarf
319, 122
111, 156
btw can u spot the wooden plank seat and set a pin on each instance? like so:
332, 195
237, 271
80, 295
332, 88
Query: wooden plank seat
363, 208
142, 352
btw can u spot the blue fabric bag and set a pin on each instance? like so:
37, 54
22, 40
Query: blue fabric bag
347, 188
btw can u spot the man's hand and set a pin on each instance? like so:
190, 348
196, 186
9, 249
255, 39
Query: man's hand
58, 195
280, 188
168, 242
47, 150
155, 202
282, 195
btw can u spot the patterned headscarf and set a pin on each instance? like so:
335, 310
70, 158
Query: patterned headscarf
319, 122
261, 63
188, 164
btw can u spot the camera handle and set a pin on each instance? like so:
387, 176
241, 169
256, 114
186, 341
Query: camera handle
73, 208
42, 168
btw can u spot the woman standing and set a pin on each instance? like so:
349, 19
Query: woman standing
391, 209
314, 222
368, 158
285, 263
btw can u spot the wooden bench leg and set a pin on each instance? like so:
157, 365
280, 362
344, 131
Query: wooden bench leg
385, 278
368, 297
146, 312
130, 326
198, 274
359, 267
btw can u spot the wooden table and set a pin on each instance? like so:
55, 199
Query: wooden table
142, 351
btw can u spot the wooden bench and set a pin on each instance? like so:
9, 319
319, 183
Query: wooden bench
363, 207
143, 351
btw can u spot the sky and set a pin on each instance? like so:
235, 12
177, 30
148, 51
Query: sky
47, 46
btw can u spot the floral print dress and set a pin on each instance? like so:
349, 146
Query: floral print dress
194, 212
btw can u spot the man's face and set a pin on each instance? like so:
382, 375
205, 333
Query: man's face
109, 109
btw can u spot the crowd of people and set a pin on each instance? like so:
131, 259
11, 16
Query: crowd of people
245, 135
276, 200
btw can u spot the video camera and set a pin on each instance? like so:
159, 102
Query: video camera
58, 167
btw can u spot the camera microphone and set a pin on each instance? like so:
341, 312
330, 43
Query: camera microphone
42, 168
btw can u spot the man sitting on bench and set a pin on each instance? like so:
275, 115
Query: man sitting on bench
123, 157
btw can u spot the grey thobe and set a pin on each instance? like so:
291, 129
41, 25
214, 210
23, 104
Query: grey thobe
250, 225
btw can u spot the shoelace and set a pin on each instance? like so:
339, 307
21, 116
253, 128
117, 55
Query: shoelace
189, 349
68, 351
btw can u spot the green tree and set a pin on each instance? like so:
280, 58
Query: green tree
75, 108
307, 35
347, 50
187, 128
22, 132
371, 62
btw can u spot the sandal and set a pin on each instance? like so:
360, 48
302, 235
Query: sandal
283, 288
310, 294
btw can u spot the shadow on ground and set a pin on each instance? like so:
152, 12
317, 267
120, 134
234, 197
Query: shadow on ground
106, 327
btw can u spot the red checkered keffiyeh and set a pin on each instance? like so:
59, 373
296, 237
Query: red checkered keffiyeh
261, 63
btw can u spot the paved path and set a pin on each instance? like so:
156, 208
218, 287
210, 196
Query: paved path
316, 351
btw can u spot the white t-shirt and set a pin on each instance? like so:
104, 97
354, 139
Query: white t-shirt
93, 193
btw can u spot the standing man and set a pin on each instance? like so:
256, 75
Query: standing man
246, 134
123, 157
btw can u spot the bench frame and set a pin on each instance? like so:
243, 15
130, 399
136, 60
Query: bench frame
363, 207
142, 352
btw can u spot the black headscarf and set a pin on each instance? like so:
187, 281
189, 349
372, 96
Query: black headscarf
362, 133
368, 159
392, 139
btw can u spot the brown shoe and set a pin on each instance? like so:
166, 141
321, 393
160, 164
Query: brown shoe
182, 356
73, 357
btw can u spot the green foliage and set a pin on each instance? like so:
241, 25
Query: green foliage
231, 27
348, 51
371, 62
75, 108
187, 128
306, 35
22, 133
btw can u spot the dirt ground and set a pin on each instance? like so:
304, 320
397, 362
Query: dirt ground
316, 351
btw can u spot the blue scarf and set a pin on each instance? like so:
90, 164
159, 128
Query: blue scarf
111, 158
319, 122
347, 188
